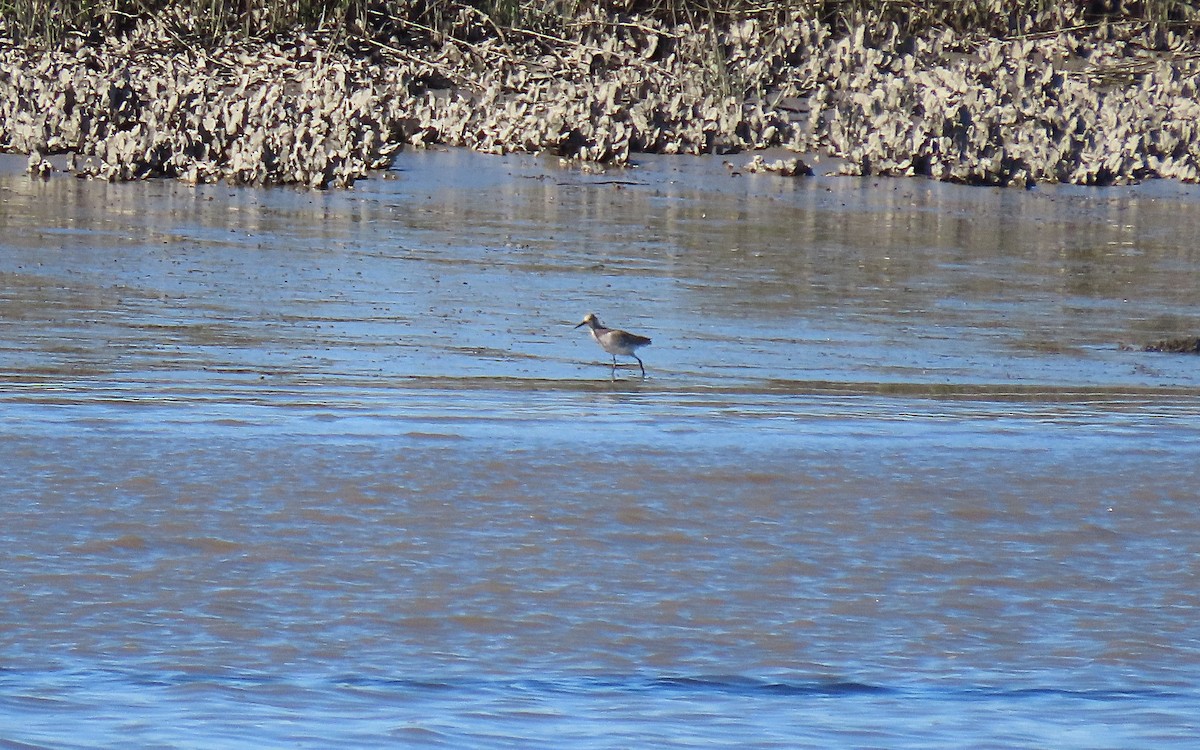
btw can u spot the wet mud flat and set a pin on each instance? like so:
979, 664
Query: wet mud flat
334, 467
1096, 104
756, 278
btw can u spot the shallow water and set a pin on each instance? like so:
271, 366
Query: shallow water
285, 468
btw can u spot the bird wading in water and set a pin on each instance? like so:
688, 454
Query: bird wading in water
614, 341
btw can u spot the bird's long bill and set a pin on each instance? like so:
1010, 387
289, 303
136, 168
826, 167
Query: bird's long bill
581, 323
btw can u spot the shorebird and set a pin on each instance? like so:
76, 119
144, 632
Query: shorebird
615, 342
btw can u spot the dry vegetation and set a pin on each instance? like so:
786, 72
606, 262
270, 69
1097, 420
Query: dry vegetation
978, 91
214, 22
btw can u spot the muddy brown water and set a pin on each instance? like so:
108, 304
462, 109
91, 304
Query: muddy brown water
293, 468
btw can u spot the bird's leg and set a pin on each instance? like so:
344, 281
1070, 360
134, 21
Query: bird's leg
639, 359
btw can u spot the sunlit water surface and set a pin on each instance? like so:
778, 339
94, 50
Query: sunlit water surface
287, 468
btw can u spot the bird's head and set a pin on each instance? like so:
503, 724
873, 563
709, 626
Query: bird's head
589, 319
